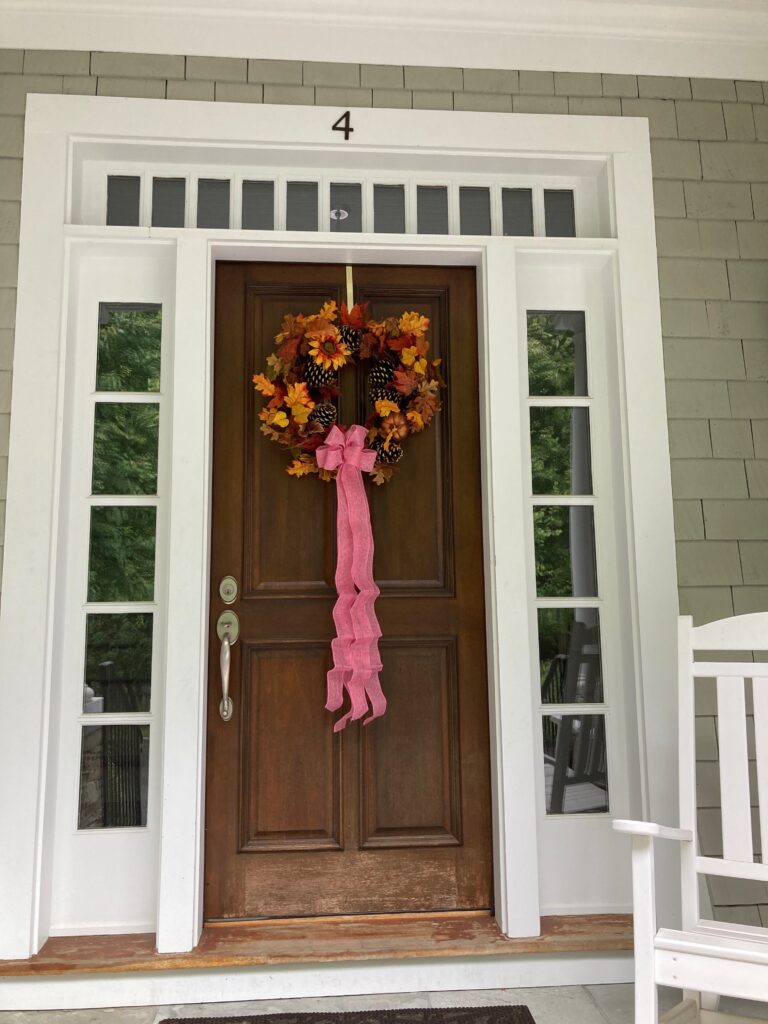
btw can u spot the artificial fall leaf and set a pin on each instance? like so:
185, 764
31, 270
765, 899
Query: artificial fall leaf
326, 475
329, 310
382, 474
299, 402
319, 326
384, 407
302, 466
369, 345
425, 405
414, 323
298, 394
404, 381
354, 317
287, 351
274, 417
409, 355
275, 366
292, 326
429, 387
271, 433
420, 366
263, 384
415, 421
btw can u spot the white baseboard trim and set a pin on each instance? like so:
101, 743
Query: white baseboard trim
159, 988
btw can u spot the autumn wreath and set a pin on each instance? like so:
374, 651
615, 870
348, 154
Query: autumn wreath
300, 383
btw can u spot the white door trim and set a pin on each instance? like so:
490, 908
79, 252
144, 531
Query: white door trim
59, 130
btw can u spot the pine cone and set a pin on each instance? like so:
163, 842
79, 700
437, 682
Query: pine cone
317, 377
381, 373
388, 395
387, 456
324, 414
351, 336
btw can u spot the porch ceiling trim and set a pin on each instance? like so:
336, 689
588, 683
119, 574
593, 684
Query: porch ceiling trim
704, 38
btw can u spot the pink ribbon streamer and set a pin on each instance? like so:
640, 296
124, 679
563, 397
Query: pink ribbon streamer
356, 660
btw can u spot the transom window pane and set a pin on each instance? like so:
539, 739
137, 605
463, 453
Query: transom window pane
123, 199
128, 347
432, 210
475, 211
213, 203
559, 214
389, 208
168, 202
560, 456
569, 656
564, 541
301, 198
517, 211
557, 353
258, 205
346, 207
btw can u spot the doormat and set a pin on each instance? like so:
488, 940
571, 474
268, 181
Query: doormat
416, 1015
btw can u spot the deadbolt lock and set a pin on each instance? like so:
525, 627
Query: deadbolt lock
228, 590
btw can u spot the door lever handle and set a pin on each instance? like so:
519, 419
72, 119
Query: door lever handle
228, 629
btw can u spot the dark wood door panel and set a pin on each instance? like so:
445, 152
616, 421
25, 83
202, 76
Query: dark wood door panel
394, 817
411, 763
289, 546
291, 783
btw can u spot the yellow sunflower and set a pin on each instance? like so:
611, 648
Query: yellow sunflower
329, 351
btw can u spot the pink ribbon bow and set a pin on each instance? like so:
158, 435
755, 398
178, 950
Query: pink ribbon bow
356, 661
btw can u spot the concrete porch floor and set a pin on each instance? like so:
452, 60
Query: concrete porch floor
590, 1004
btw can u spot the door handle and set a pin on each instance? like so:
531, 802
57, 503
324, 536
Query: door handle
228, 630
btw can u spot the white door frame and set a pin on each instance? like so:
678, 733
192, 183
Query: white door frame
59, 130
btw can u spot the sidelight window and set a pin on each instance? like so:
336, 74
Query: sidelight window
120, 598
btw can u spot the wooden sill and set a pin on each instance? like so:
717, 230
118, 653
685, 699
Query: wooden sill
323, 940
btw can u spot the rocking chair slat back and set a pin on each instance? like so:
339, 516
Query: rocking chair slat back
734, 769
745, 634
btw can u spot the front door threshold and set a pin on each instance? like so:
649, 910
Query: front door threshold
296, 941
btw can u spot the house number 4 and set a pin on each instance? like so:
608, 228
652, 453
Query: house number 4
343, 125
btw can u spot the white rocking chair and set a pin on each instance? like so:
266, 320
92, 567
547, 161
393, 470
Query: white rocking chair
707, 958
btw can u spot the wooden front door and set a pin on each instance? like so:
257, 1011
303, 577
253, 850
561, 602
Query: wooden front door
393, 817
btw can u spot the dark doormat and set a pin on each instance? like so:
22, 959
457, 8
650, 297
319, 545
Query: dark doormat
418, 1015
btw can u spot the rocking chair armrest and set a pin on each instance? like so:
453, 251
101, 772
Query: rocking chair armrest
650, 828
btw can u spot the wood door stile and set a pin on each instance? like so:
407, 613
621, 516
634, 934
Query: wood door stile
393, 817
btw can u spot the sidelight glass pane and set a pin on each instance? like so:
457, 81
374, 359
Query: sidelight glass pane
129, 347
118, 663
559, 215
517, 211
301, 206
121, 563
475, 211
114, 776
557, 353
569, 656
432, 210
213, 203
125, 448
258, 205
389, 208
168, 202
346, 207
575, 764
564, 541
123, 198
560, 456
